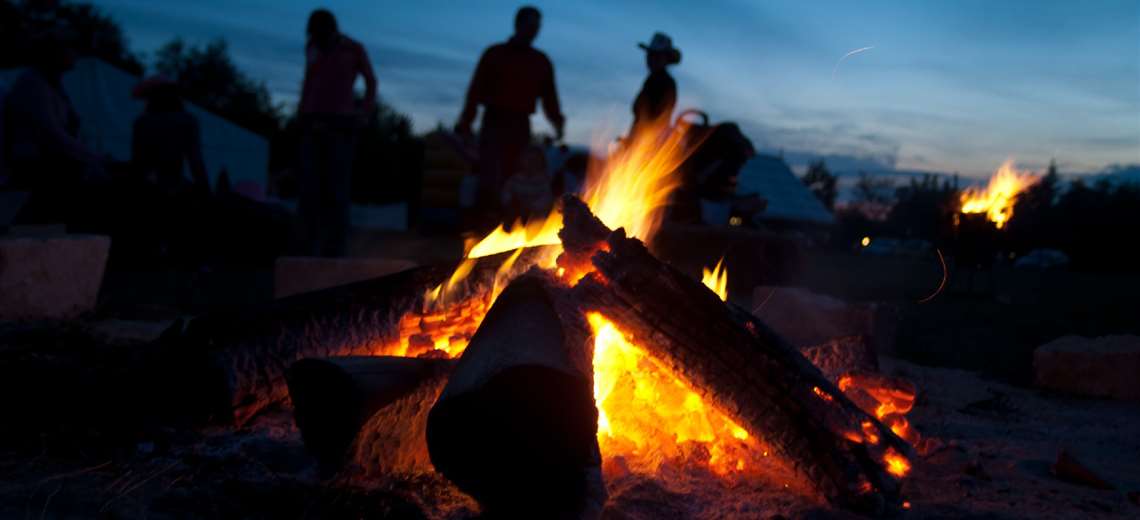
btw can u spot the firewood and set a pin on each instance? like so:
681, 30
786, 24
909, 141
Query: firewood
760, 380
393, 442
334, 397
229, 366
516, 426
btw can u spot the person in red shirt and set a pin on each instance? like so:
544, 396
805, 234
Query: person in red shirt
330, 119
508, 82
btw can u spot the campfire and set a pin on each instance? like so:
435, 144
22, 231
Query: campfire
561, 354
997, 199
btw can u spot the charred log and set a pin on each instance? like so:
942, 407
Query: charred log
757, 377
516, 426
334, 397
393, 442
231, 366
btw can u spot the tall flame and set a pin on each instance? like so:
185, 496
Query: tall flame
999, 196
717, 279
629, 189
648, 415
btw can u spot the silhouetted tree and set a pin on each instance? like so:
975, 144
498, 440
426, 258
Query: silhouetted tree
388, 165
922, 209
92, 32
821, 183
870, 189
207, 76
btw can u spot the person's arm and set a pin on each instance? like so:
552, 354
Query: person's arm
475, 94
302, 102
370, 86
669, 100
194, 156
550, 104
136, 145
53, 129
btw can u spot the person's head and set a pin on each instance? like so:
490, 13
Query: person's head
322, 26
160, 93
528, 20
54, 52
660, 53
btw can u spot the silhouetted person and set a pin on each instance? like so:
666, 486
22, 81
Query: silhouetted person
42, 149
330, 120
508, 82
165, 137
658, 94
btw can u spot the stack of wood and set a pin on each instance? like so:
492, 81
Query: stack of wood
512, 422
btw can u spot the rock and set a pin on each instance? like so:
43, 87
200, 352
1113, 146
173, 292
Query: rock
807, 319
54, 277
1070, 469
843, 355
297, 274
1102, 367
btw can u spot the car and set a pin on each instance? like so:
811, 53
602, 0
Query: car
1042, 260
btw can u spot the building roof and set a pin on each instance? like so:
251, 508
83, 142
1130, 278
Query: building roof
788, 199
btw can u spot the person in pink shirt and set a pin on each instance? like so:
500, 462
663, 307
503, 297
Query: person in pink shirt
330, 118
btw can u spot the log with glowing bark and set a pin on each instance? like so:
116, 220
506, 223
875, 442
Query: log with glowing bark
393, 442
230, 366
516, 426
334, 397
760, 380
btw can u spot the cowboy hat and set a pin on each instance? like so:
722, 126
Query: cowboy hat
661, 42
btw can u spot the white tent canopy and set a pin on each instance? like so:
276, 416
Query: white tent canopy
101, 94
788, 198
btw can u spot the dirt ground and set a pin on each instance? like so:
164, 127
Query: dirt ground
69, 447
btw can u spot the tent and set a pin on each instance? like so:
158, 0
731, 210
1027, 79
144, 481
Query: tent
788, 199
101, 94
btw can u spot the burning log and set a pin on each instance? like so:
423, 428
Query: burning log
393, 442
767, 385
334, 397
230, 366
516, 425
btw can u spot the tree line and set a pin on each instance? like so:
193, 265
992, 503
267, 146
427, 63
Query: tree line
1094, 223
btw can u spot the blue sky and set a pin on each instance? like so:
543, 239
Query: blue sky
948, 87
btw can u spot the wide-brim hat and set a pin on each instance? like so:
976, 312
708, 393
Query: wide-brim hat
661, 42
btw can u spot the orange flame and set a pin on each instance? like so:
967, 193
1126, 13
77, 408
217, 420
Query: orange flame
897, 465
717, 279
646, 413
998, 198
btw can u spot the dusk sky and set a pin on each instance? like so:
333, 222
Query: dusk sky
947, 87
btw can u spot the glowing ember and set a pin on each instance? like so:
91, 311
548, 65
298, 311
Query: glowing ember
822, 395
717, 279
897, 465
998, 198
889, 404
649, 416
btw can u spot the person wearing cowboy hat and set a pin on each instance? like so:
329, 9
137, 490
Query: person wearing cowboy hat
659, 92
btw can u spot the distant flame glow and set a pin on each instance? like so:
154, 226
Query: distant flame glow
999, 196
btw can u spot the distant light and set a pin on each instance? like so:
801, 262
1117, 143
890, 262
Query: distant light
866, 241
735, 221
